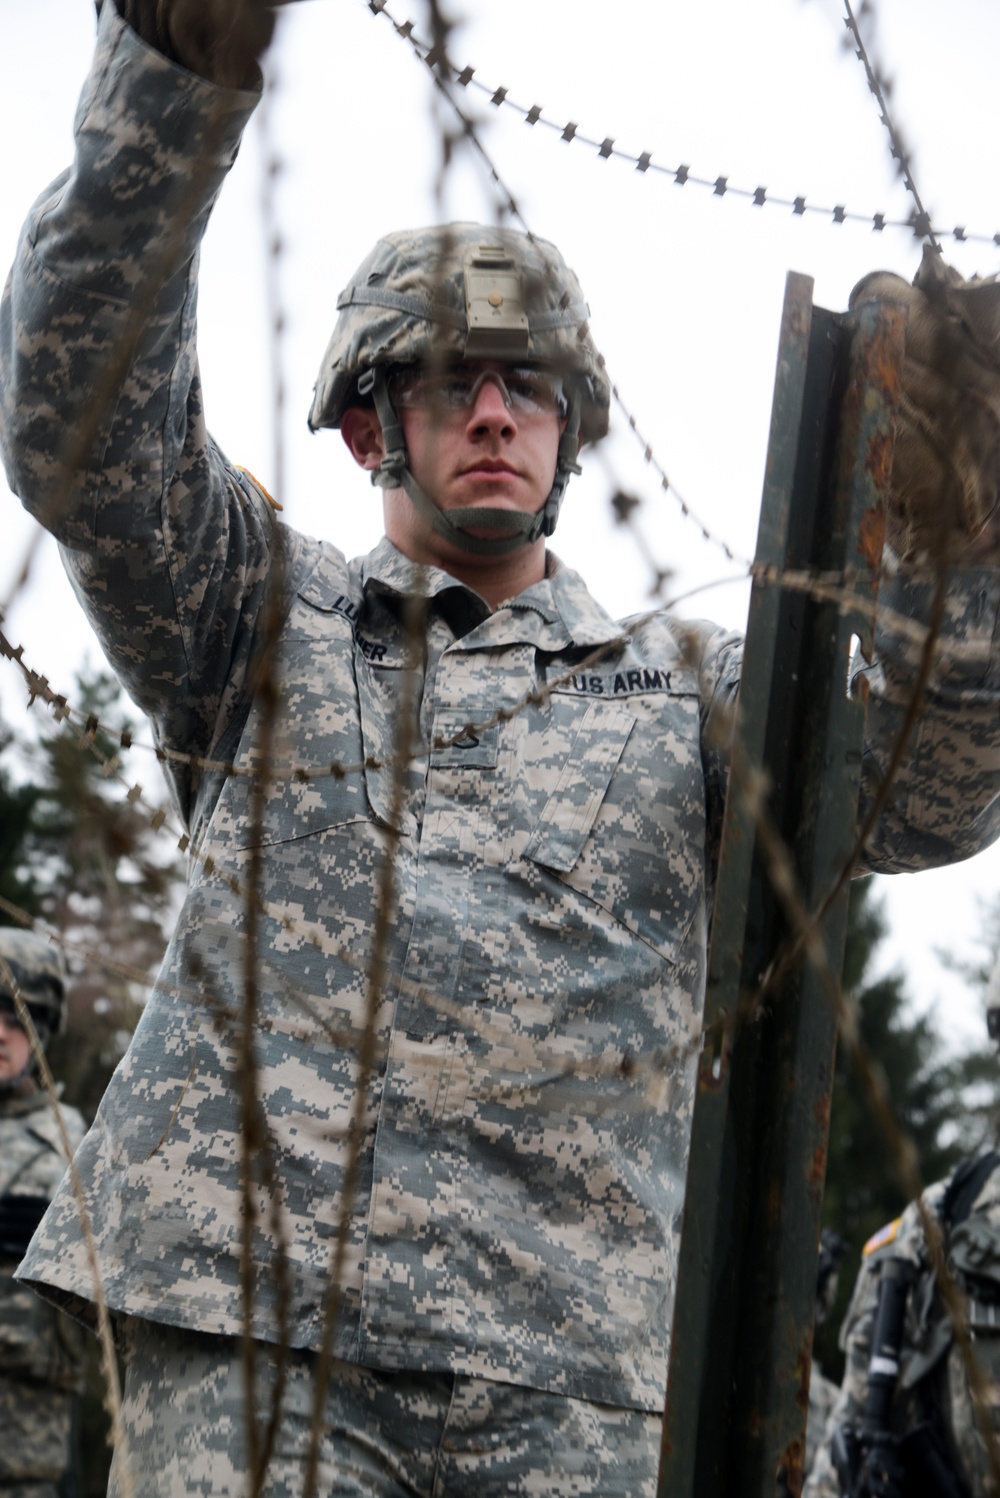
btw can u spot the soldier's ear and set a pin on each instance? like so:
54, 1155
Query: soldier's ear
362, 431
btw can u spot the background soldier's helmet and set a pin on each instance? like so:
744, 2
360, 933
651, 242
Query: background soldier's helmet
462, 291
37, 968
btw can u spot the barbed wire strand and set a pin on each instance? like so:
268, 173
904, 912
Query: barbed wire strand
809, 933
821, 585
922, 227
257, 1143
367, 1057
399, 775
875, 1085
646, 164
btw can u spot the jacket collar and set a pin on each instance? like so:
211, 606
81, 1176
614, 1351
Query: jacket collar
555, 614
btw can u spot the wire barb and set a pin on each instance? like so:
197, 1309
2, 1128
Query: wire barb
921, 222
917, 223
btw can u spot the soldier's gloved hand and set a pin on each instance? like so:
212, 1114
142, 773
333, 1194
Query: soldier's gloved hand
946, 464
220, 40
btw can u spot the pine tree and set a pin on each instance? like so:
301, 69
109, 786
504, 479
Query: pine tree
79, 853
75, 851
979, 1071
17, 806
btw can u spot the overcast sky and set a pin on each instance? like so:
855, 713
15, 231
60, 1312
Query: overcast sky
685, 286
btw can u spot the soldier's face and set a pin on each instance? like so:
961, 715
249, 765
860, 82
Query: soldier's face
15, 1047
490, 454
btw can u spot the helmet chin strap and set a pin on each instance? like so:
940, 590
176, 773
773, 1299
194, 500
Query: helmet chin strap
11, 1084
513, 528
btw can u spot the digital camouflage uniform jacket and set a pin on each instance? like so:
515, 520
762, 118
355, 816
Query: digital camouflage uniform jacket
823, 1395
524, 1145
932, 1382
41, 1356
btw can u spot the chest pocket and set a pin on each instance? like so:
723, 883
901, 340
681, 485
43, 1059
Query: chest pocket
624, 821
315, 770
571, 810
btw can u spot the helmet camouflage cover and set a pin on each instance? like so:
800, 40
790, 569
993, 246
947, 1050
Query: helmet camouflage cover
462, 291
37, 968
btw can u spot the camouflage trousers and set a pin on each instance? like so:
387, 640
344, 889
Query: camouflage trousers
387, 1435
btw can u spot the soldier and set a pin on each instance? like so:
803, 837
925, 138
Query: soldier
41, 1355
455, 824
928, 1443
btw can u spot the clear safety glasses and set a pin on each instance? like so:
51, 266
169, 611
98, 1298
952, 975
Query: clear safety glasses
525, 391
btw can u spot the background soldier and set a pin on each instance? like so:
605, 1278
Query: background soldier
929, 1445
41, 1353
493, 911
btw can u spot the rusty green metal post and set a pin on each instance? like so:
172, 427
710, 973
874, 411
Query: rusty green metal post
743, 1319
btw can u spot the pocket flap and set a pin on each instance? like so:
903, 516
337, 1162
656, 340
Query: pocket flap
568, 815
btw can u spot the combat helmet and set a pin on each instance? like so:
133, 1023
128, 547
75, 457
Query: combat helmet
36, 965
434, 296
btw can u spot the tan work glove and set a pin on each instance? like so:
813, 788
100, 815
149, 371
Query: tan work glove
220, 40
946, 464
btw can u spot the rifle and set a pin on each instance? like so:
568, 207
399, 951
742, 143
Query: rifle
871, 1460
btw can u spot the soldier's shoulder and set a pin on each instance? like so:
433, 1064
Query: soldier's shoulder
882, 1239
46, 1127
314, 570
973, 1186
903, 1237
698, 644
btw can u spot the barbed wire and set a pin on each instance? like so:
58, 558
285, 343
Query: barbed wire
811, 583
807, 941
783, 880
840, 587
479, 1023
646, 164
435, 60
265, 771
922, 227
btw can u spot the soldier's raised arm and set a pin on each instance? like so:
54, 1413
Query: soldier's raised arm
941, 573
101, 424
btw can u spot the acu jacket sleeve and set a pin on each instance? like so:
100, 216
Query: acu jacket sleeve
942, 804
935, 781
103, 432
